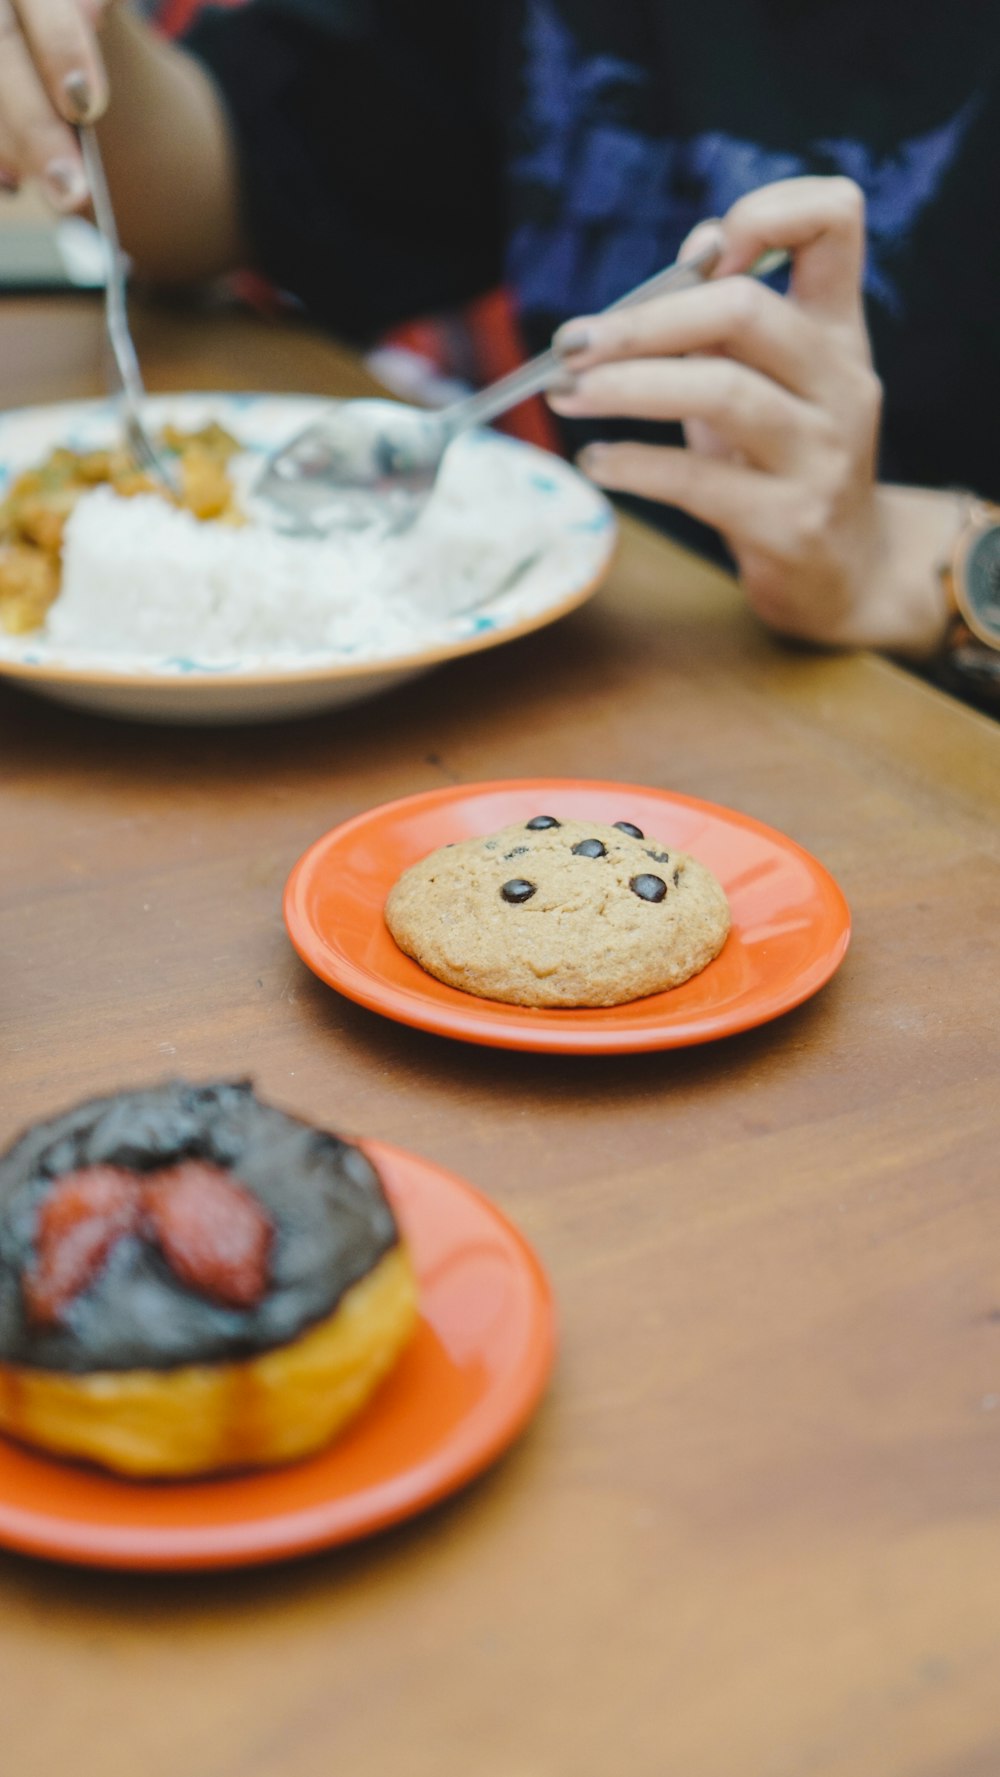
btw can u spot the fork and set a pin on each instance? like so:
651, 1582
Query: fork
131, 392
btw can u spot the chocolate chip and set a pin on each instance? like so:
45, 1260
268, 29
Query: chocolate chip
590, 848
540, 821
648, 888
660, 857
518, 852
677, 879
517, 890
627, 827
489, 845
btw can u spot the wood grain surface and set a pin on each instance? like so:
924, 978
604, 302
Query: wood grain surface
754, 1530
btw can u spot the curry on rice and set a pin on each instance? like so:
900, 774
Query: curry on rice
34, 512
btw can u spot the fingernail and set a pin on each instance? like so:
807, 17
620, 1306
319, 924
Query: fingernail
563, 384
704, 242
569, 340
79, 97
592, 458
66, 184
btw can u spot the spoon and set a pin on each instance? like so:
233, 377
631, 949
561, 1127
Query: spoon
372, 464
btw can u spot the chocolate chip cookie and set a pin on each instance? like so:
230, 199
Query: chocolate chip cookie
560, 913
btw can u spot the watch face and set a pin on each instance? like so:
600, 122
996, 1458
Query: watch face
982, 586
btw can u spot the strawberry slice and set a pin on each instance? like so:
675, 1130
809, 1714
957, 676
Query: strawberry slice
213, 1233
84, 1216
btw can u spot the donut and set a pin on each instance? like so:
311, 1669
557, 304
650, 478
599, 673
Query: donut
192, 1281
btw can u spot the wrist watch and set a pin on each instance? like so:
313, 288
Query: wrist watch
972, 577
970, 663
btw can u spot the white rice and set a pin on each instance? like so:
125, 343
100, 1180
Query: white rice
141, 578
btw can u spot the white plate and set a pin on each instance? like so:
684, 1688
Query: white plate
568, 533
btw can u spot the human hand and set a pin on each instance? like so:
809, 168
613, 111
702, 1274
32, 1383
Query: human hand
781, 409
51, 76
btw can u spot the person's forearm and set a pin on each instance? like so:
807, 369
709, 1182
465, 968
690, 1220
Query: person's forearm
907, 610
170, 158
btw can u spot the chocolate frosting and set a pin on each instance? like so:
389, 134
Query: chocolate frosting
324, 1200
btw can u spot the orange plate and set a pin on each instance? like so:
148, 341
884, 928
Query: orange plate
462, 1391
791, 924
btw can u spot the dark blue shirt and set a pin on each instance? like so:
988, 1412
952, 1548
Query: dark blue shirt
399, 157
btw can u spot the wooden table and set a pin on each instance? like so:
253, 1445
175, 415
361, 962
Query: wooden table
755, 1529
